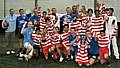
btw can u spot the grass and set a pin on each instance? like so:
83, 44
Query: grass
10, 61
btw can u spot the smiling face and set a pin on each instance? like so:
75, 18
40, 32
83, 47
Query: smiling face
68, 10
21, 12
79, 12
74, 8
66, 28
30, 25
12, 11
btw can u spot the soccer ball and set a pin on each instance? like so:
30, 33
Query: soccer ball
5, 24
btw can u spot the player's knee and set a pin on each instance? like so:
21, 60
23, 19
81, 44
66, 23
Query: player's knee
106, 56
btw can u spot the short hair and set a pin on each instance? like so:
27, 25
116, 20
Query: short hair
102, 31
74, 6
53, 9
68, 8
72, 28
111, 9
66, 25
20, 10
11, 9
44, 12
107, 9
90, 10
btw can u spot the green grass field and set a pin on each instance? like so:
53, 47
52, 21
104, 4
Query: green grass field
10, 61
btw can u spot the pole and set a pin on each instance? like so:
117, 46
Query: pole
95, 2
4, 7
36, 1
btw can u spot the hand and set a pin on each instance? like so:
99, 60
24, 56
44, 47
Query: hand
67, 48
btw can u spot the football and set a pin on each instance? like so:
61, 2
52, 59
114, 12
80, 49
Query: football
6, 24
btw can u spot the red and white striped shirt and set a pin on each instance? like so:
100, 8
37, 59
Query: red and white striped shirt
97, 24
42, 23
65, 39
55, 39
36, 38
50, 28
103, 41
82, 55
47, 42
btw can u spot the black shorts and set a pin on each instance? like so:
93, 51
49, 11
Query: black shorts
20, 36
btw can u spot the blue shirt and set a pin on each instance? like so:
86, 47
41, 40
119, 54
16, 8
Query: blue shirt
27, 36
74, 14
71, 38
21, 20
29, 15
32, 18
69, 18
12, 23
94, 48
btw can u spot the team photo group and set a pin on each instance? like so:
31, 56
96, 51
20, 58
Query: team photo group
82, 35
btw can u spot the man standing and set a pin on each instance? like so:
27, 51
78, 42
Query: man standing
21, 19
10, 31
111, 25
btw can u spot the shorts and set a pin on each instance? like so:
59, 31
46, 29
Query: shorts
75, 50
27, 44
46, 50
20, 36
102, 51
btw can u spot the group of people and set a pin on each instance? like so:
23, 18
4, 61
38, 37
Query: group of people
81, 35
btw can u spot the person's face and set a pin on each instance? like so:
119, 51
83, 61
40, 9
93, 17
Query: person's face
90, 13
102, 33
44, 14
72, 31
54, 10
21, 12
80, 12
57, 29
38, 31
12, 12
110, 12
68, 10
107, 12
74, 9
30, 25
35, 12
48, 22
66, 28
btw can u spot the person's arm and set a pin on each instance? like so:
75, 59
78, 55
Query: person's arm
116, 27
23, 28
